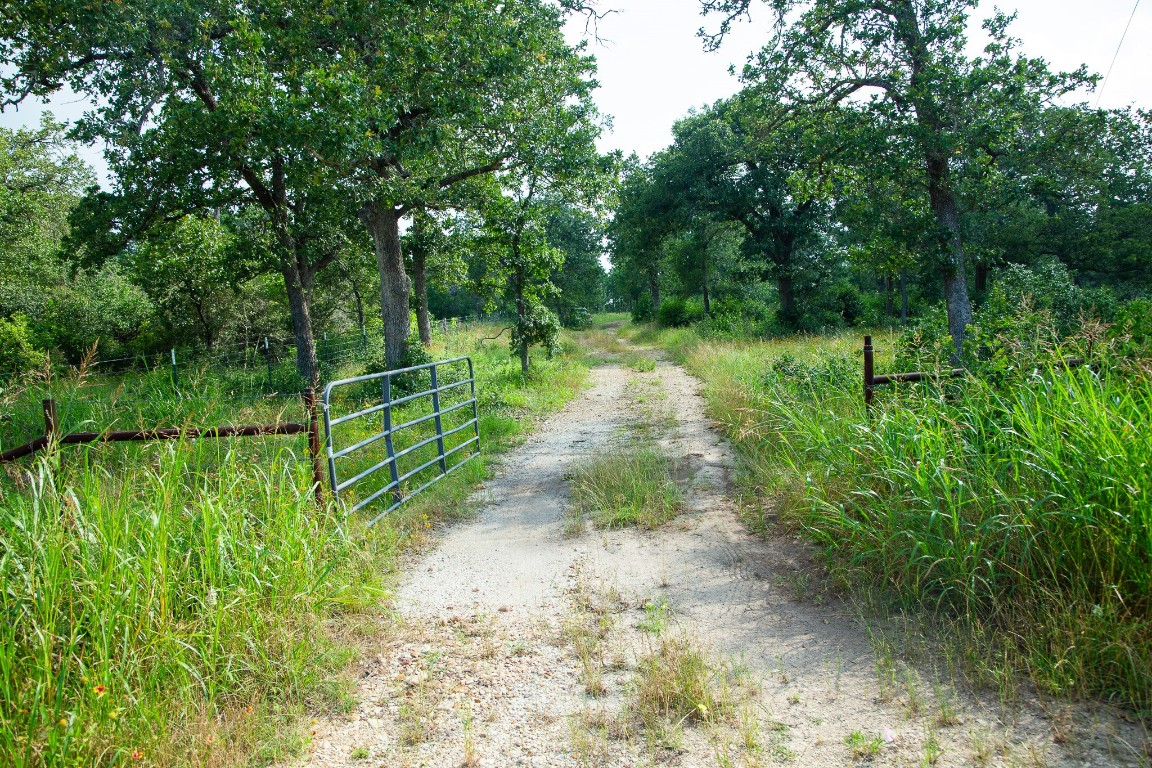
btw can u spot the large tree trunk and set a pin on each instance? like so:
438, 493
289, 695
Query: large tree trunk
981, 279
420, 288
787, 298
383, 222
524, 359
654, 291
947, 213
296, 288
359, 304
941, 197
521, 305
904, 297
704, 280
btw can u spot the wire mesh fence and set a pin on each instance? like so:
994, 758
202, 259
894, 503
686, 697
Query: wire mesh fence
245, 382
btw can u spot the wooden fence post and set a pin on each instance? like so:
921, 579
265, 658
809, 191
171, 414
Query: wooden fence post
314, 443
869, 372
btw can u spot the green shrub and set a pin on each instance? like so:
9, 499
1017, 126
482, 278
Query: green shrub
642, 310
1132, 329
1033, 317
17, 353
676, 312
578, 319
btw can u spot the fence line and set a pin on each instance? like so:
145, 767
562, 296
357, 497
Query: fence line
265, 352
53, 437
873, 380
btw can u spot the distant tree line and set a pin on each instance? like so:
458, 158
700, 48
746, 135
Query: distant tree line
869, 168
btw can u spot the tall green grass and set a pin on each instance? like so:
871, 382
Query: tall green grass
1019, 513
184, 603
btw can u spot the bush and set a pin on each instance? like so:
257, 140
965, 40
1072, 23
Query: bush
406, 383
642, 310
1033, 317
1132, 330
676, 312
17, 354
578, 319
831, 372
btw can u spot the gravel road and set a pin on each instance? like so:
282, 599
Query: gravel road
479, 671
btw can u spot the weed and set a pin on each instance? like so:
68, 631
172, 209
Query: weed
587, 627
470, 758
932, 751
913, 698
946, 709
656, 613
862, 747
633, 487
678, 683
415, 713
360, 753
641, 363
590, 731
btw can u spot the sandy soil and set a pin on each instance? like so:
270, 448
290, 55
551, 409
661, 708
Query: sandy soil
478, 670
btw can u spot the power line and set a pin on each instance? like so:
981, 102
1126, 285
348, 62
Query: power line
1116, 55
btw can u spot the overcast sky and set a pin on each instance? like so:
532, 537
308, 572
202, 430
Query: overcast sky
653, 69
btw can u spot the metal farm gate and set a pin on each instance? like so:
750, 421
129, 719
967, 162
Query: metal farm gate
439, 431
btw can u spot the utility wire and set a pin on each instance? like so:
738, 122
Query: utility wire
1116, 55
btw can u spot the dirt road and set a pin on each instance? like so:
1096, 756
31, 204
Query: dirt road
486, 666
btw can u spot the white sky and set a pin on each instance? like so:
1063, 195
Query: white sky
652, 66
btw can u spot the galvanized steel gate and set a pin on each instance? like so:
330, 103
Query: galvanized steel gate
386, 407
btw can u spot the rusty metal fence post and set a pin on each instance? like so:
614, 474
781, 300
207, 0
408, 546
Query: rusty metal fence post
314, 443
869, 372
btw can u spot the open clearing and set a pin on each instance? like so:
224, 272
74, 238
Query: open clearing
518, 641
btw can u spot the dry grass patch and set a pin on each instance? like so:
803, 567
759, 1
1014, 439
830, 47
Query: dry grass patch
677, 683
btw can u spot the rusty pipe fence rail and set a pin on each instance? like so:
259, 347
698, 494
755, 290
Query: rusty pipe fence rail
385, 408
52, 436
873, 379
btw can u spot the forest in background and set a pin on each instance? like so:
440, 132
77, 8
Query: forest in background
871, 172
297, 169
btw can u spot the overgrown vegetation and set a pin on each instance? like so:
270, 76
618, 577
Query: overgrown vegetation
182, 603
677, 683
1012, 505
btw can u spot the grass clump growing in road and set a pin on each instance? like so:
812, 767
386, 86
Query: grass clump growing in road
677, 683
631, 488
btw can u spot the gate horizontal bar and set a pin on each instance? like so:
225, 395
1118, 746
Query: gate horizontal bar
390, 374
387, 406
393, 403
424, 487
